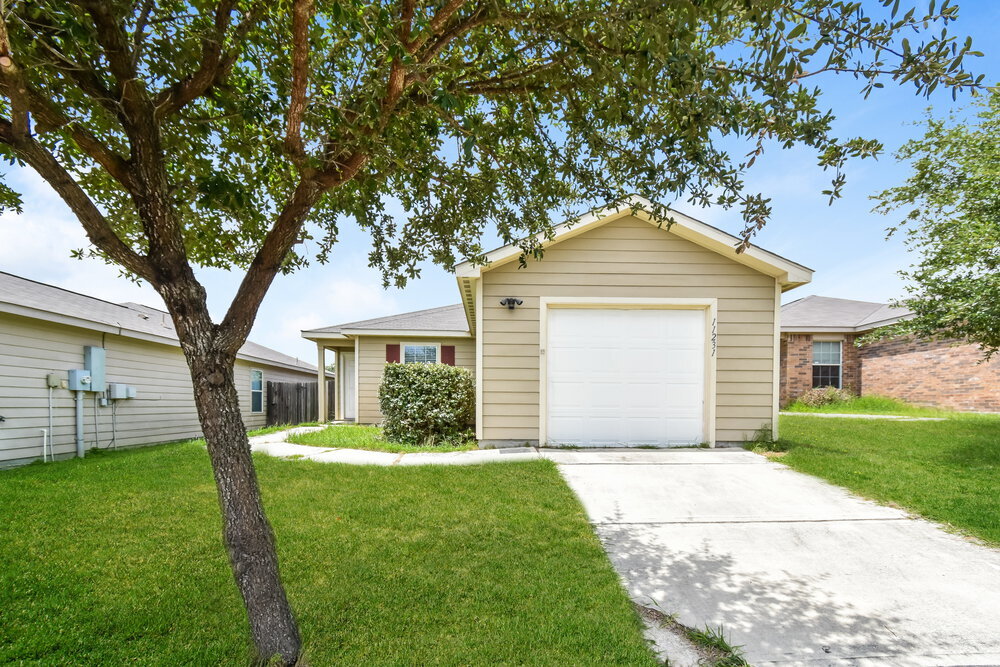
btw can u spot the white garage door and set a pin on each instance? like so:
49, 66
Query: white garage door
627, 378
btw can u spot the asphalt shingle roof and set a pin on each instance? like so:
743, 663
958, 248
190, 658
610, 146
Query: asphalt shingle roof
130, 317
444, 318
823, 312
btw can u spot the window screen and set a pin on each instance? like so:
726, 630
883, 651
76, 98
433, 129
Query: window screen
256, 391
420, 354
826, 364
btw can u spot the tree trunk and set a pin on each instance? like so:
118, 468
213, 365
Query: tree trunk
247, 533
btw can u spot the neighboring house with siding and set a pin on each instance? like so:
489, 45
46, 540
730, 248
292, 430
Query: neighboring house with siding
819, 348
44, 329
626, 333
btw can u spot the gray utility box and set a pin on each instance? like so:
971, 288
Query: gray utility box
118, 391
94, 361
79, 380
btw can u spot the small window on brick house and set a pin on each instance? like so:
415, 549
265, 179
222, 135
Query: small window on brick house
827, 363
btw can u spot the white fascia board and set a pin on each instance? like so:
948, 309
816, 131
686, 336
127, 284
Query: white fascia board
321, 336
415, 333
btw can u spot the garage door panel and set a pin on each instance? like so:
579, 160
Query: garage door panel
625, 377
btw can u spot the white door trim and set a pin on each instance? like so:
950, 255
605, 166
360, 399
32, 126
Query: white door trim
709, 305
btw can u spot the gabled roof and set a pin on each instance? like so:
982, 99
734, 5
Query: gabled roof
823, 313
444, 320
29, 298
789, 273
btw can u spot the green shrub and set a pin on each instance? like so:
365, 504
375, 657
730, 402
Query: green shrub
426, 403
824, 396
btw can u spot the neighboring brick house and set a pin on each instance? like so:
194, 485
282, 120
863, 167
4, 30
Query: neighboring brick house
818, 349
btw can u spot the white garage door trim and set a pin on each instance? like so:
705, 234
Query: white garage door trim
709, 306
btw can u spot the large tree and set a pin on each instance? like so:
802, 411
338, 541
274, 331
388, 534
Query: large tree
951, 207
241, 133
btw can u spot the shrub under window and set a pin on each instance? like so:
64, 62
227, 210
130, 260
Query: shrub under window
426, 403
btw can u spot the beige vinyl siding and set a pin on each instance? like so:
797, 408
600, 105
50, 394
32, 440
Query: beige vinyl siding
627, 258
371, 362
163, 410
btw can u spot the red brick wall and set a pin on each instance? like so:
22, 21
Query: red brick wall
931, 373
796, 366
851, 378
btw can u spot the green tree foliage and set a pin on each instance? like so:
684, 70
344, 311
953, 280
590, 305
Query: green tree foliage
243, 134
951, 207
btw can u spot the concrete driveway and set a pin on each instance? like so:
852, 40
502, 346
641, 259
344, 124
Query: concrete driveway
795, 570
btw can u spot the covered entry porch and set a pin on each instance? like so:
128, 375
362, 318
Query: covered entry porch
345, 376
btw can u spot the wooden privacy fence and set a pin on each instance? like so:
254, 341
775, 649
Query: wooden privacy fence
296, 402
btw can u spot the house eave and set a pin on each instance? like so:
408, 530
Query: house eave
126, 332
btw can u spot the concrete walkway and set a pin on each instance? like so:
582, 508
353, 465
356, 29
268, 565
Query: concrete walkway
276, 444
797, 571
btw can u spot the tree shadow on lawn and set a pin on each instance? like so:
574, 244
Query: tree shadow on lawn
771, 614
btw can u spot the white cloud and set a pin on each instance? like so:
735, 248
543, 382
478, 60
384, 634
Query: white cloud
37, 245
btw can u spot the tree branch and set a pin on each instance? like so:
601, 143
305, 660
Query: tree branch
302, 11
215, 63
98, 229
110, 35
236, 325
17, 88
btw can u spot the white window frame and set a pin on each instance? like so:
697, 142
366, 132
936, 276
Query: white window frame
402, 351
840, 366
254, 391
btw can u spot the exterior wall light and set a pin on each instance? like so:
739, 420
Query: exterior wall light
510, 302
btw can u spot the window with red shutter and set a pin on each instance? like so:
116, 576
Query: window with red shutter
392, 354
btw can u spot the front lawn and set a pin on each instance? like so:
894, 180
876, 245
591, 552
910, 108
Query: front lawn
948, 471
351, 436
872, 405
118, 559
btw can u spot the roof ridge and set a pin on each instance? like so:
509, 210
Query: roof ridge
380, 318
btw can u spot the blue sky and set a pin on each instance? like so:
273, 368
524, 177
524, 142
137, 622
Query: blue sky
845, 243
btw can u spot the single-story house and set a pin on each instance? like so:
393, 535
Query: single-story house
818, 349
46, 331
626, 333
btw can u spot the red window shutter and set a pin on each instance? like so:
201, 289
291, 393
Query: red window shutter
392, 354
448, 354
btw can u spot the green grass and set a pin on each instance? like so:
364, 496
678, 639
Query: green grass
352, 436
947, 471
117, 559
873, 405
